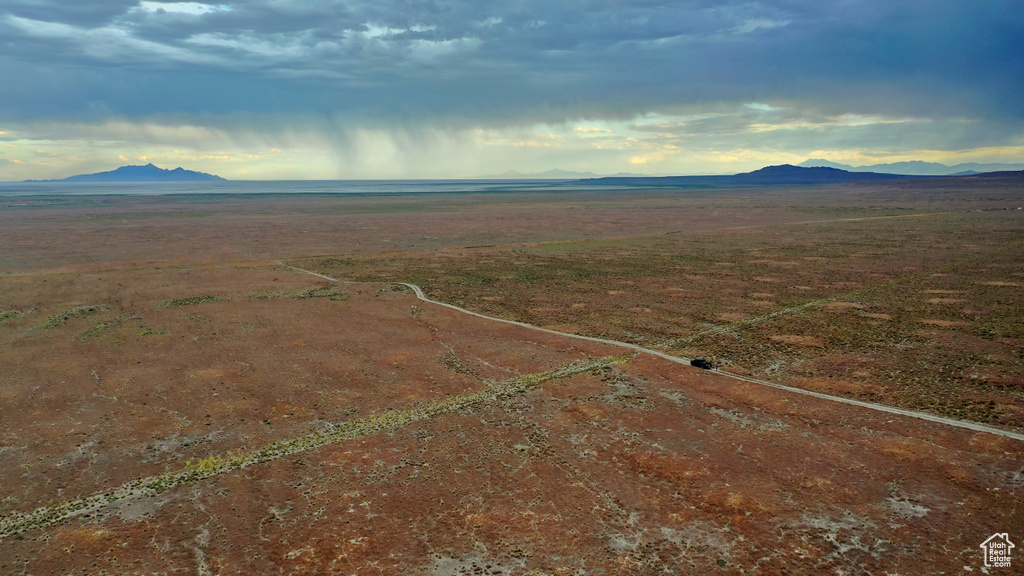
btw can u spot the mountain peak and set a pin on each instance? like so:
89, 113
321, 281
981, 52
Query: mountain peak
148, 173
788, 170
789, 174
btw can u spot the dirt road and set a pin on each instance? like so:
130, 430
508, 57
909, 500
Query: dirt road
686, 361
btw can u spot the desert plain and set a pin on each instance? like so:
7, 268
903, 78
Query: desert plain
241, 384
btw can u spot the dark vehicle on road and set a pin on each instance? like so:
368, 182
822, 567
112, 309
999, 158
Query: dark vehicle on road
701, 363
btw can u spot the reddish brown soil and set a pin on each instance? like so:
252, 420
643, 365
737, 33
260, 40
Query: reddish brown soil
210, 229
640, 467
83, 412
905, 303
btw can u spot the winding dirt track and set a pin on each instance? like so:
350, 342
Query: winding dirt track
975, 426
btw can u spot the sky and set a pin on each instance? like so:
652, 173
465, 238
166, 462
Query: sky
332, 89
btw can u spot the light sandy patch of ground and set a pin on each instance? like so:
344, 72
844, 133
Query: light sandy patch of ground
797, 340
844, 306
943, 323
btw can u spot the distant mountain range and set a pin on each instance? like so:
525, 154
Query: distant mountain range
147, 173
550, 174
768, 176
917, 167
785, 174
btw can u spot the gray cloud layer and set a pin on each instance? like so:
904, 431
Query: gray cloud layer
436, 88
453, 61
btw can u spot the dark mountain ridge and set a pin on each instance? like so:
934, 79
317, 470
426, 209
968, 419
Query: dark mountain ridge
147, 173
767, 176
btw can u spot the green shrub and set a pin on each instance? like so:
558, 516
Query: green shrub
12, 314
58, 319
95, 330
204, 299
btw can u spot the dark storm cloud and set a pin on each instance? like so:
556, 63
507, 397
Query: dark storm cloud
450, 61
92, 13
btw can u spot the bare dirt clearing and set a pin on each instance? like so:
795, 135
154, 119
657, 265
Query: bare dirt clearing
646, 466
